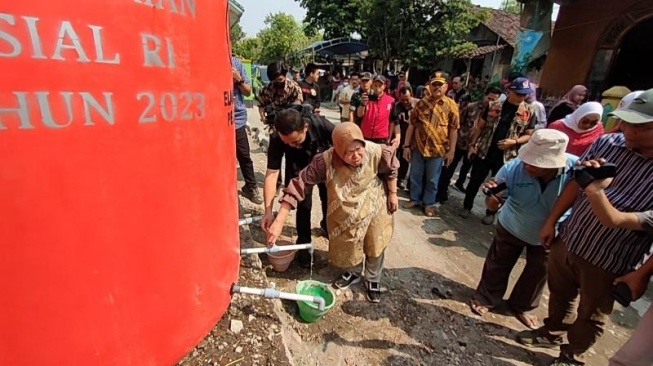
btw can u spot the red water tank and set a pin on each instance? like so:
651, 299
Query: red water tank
118, 233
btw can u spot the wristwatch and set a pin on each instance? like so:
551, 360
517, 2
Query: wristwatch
239, 83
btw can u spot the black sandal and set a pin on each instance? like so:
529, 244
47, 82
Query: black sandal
347, 279
373, 292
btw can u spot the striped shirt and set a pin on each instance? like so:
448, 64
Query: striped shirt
614, 250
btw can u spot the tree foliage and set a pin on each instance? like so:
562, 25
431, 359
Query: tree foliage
236, 33
249, 48
283, 35
336, 18
420, 32
512, 6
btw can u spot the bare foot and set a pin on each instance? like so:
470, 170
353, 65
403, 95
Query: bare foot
528, 320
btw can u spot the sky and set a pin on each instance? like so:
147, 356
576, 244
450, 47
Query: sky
256, 10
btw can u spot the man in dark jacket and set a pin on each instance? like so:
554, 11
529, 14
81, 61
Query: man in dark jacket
299, 136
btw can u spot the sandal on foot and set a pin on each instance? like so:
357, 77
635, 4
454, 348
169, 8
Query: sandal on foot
373, 292
478, 308
540, 338
347, 279
529, 320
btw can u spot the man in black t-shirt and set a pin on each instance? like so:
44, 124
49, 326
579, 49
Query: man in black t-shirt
310, 88
502, 128
298, 137
400, 117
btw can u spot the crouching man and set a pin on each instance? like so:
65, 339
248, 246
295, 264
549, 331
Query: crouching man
533, 182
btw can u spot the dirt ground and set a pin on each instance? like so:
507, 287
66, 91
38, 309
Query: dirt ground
411, 326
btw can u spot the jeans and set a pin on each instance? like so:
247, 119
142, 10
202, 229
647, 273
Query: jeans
244, 158
424, 177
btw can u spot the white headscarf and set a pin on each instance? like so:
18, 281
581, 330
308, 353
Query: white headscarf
572, 120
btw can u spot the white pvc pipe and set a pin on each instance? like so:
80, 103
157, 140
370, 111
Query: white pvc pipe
276, 248
253, 219
270, 293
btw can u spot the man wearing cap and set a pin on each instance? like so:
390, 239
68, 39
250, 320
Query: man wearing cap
624, 103
586, 257
430, 141
375, 111
533, 182
468, 118
502, 129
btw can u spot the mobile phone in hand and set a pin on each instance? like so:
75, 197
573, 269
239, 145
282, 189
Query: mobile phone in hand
622, 294
496, 190
585, 175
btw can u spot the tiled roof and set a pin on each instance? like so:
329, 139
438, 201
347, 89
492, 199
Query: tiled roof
503, 23
480, 51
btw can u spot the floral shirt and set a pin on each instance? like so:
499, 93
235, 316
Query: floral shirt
281, 98
468, 117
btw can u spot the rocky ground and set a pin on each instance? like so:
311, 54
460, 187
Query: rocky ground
432, 268
251, 331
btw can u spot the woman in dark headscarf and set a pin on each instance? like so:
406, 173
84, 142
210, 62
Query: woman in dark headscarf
568, 104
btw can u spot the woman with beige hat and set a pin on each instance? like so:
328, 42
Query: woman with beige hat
533, 182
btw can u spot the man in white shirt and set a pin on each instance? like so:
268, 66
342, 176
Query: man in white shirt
344, 96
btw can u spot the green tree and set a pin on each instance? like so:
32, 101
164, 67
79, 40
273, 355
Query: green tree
249, 48
512, 6
336, 18
237, 34
419, 32
283, 35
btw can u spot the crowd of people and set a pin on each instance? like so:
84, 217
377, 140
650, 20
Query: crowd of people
580, 236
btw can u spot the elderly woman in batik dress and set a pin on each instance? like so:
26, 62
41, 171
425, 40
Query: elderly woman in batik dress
361, 180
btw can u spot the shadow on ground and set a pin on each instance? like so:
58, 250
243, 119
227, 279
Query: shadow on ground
441, 331
415, 327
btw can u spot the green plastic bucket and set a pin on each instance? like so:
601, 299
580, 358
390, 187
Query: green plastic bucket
308, 310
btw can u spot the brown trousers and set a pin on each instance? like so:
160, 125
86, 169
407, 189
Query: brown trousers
500, 261
570, 276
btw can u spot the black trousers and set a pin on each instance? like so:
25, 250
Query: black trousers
303, 214
448, 172
481, 168
403, 163
303, 219
244, 158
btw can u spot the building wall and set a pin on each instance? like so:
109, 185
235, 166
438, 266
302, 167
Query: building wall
578, 29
